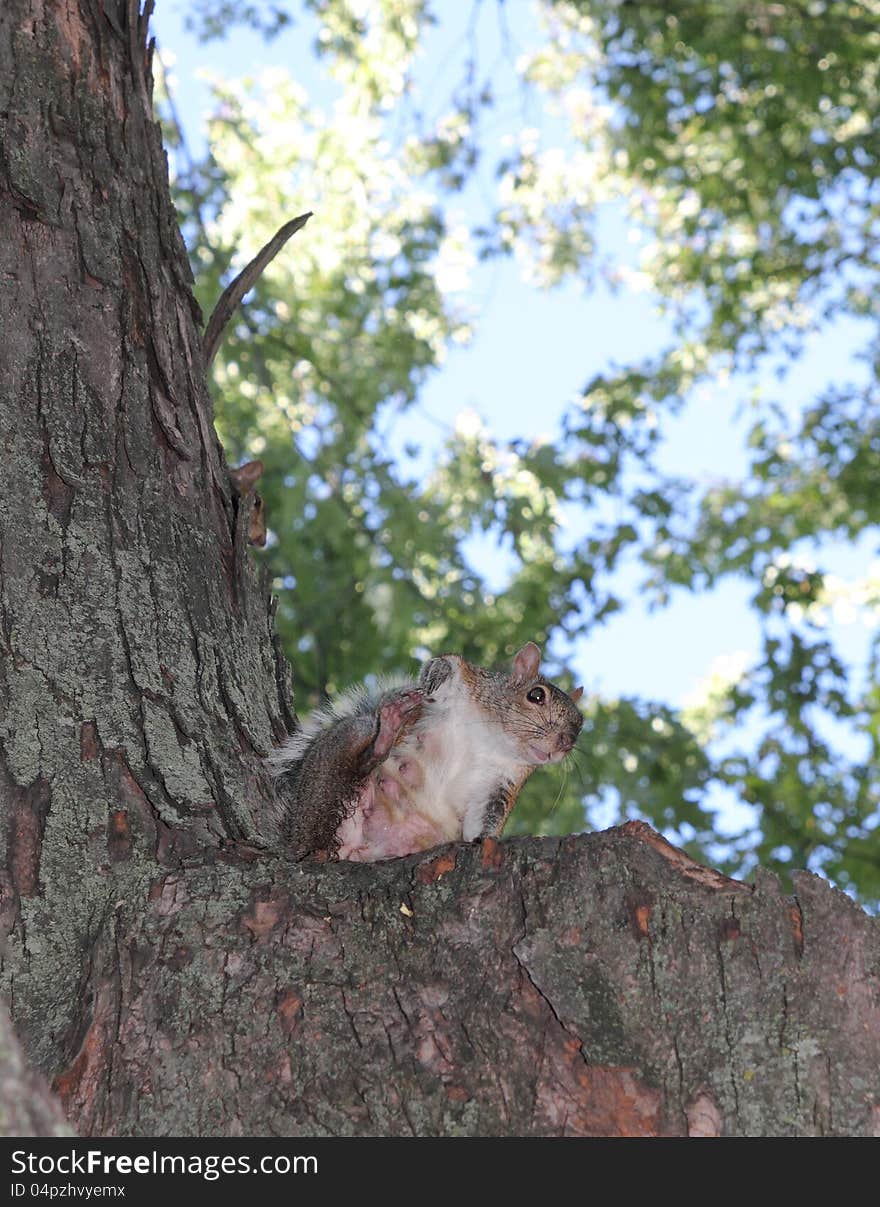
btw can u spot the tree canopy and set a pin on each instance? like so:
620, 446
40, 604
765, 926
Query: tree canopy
741, 141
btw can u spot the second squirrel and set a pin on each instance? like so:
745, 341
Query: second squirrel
419, 764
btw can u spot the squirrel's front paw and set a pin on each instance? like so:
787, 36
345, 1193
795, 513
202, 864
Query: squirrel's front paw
393, 715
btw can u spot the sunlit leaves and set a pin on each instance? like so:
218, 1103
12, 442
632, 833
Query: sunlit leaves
755, 130
742, 140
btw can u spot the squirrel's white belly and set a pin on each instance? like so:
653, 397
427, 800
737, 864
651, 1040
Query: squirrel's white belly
439, 774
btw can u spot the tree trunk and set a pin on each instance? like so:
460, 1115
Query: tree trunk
172, 977
139, 682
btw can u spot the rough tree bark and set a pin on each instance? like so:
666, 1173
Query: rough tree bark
598, 985
140, 681
168, 974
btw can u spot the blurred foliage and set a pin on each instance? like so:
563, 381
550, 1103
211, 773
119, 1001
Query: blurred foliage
743, 140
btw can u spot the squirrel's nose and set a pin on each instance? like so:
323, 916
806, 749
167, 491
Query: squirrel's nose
565, 742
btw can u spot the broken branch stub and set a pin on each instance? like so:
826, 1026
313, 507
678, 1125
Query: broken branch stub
231, 296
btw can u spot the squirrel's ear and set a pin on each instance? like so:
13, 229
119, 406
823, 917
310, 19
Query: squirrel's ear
245, 478
527, 663
576, 694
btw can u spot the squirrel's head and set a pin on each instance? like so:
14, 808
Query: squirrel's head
544, 720
540, 721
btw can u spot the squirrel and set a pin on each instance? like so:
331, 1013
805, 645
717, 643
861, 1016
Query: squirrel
419, 763
244, 478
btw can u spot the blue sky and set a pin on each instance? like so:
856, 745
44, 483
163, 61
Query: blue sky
533, 351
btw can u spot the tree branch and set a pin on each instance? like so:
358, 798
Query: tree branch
596, 985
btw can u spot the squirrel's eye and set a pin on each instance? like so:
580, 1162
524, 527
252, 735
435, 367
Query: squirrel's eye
536, 695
